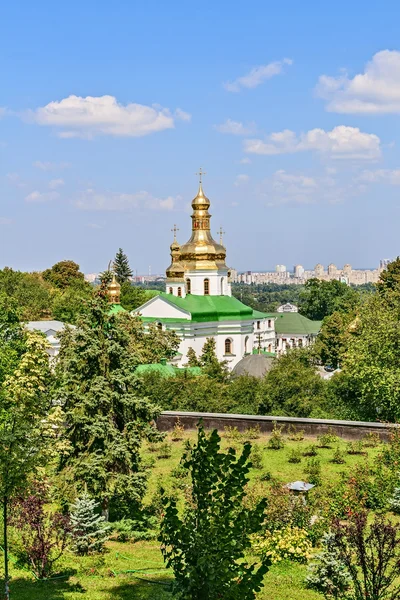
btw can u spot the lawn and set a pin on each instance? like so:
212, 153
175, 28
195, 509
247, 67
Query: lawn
136, 571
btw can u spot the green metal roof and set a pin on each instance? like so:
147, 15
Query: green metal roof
204, 309
295, 323
166, 370
116, 308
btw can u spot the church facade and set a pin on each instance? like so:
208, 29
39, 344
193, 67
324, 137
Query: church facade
198, 304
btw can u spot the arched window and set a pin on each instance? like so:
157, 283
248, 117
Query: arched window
180, 292
171, 291
269, 323
188, 286
246, 344
258, 324
206, 287
300, 342
159, 326
222, 286
228, 346
269, 347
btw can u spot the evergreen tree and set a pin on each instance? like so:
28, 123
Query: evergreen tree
192, 360
122, 270
329, 575
210, 363
89, 529
394, 501
106, 418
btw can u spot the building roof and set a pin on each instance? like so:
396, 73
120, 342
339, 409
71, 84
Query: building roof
206, 309
295, 323
45, 326
299, 486
116, 308
165, 370
256, 365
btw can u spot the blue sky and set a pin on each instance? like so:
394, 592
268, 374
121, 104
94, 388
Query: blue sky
108, 109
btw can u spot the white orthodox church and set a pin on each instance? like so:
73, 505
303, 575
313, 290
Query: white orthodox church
198, 302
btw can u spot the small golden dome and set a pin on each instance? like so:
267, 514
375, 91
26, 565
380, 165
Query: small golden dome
114, 291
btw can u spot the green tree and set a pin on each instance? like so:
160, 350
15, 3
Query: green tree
192, 360
331, 343
24, 431
63, 274
133, 296
292, 387
107, 420
88, 529
206, 546
31, 292
389, 279
328, 574
209, 362
122, 269
321, 298
69, 303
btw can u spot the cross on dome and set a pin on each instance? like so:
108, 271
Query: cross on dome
221, 233
200, 174
174, 230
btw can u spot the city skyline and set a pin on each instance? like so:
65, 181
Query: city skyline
103, 127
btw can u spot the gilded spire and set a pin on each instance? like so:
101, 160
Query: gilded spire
113, 289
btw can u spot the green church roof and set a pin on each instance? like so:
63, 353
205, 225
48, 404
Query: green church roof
166, 370
116, 308
295, 323
204, 309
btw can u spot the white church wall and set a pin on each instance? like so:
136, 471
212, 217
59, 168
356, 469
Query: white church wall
218, 282
160, 308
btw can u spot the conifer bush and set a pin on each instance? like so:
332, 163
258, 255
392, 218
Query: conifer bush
328, 574
256, 457
89, 530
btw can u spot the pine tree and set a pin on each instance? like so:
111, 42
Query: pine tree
89, 529
394, 501
122, 270
192, 360
107, 419
210, 363
329, 575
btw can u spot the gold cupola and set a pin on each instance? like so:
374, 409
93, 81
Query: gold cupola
176, 269
114, 291
202, 251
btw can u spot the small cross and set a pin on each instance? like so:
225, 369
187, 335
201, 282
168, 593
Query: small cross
220, 233
175, 229
200, 174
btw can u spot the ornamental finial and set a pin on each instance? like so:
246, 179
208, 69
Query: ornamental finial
200, 174
221, 232
175, 229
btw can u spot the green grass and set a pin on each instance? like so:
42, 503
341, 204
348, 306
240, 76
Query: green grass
102, 578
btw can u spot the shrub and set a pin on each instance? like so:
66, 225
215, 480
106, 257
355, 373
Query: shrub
252, 433
256, 457
313, 470
294, 455
355, 447
266, 476
327, 439
297, 435
291, 543
329, 575
178, 431
338, 457
371, 440
276, 441
44, 535
232, 433
310, 450
89, 530
179, 472
164, 450
136, 530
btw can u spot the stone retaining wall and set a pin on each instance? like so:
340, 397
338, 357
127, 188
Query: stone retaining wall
350, 430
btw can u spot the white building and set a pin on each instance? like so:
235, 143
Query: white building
198, 302
51, 329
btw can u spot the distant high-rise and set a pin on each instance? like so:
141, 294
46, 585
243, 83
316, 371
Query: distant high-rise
280, 268
298, 271
383, 263
319, 270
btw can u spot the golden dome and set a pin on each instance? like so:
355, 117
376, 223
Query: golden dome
202, 251
176, 269
114, 291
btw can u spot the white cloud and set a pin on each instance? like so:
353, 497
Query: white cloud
375, 91
16, 180
340, 142
297, 188
113, 201
182, 115
55, 183
245, 161
50, 166
257, 75
236, 128
2, 112
37, 196
5, 221
95, 226
241, 179
91, 116
389, 176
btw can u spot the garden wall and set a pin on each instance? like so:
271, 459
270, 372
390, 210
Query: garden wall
349, 430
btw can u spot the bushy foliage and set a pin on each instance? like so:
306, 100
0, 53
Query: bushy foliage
89, 531
205, 546
276, 441
294, 455
256, 457
327, 574
291, 543
313, 471
178, 431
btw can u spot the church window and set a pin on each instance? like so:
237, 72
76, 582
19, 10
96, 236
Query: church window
228, 346
300, 342
269, 323
180, 292
206, 287
258, 324
269, 347
171, 291
188, 286
246, 345
159, 326
222, 286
